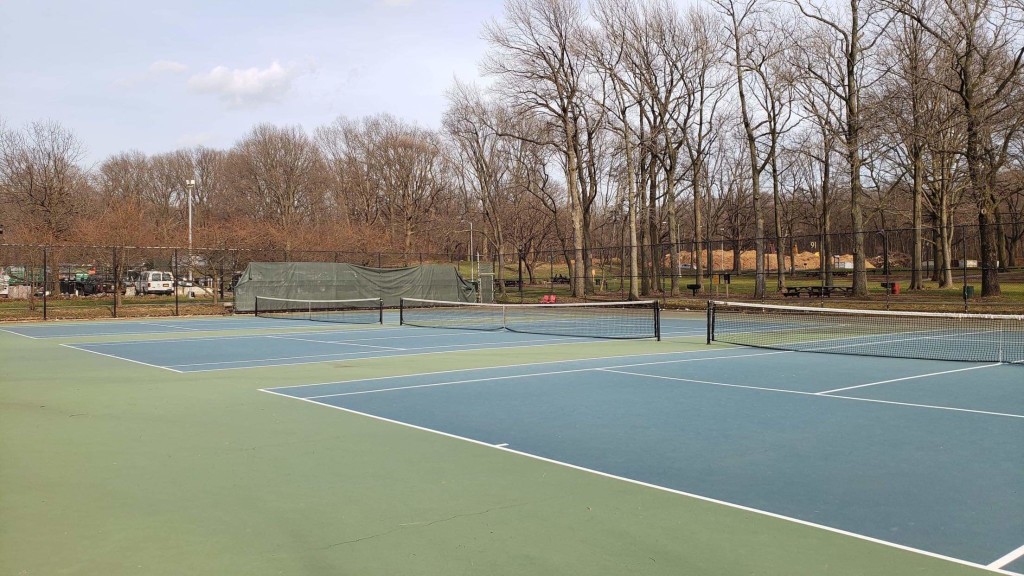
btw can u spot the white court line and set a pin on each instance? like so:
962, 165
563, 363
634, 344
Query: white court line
1008, 559
515, 376
660, 488
113, 323
74, 347
305, 330
19, 334
183, 328
105, 334
464, 347
815, 394
908, 378
338, 343
503, 366
405, 337
665, 334
857, 341
840, 344
254, 363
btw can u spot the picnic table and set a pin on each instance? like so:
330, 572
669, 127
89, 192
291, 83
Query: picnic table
816, 291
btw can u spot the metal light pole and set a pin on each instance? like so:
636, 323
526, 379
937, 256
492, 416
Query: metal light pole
190, 184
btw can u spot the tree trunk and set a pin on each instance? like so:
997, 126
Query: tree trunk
575, 210
634, 288
780, 248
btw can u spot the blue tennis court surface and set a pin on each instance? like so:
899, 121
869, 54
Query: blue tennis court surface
920, 454
171, 325
251, 351
290, 345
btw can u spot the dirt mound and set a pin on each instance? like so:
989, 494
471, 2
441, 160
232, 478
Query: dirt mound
723, 260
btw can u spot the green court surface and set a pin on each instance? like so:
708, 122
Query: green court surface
111, 464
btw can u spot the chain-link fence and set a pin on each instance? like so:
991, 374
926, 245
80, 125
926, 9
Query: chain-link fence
57, 282
946, 272
65, 282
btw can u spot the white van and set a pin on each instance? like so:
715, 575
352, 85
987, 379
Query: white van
154, 282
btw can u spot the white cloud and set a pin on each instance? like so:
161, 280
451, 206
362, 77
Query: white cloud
167, 66
240, 87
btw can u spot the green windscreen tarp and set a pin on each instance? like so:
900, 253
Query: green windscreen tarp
332, 281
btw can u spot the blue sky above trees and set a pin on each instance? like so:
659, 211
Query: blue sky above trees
160, 76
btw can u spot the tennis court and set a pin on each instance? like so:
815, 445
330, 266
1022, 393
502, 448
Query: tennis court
267, 446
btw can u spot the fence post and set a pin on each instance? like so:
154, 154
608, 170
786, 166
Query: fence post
885, 268
116, 273
46, 271
174, 284
963, 239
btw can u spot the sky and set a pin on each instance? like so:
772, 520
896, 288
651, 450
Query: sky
159, 76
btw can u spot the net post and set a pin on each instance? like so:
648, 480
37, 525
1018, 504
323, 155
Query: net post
380, 310
657, 321
401, 311
256, 308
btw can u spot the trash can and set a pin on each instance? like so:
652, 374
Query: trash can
895, 288
968, 291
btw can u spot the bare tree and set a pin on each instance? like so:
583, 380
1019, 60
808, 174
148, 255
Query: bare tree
903, 96
742, 17
705, 83
535, 52
772, 80
407, 167
855, 31
821, 107
167, 195
984, 43
474, 127
39, 169
279, 174
613, 49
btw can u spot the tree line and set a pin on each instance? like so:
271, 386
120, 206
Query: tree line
618, 122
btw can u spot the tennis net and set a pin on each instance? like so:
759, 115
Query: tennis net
925, 335
590, 319
358, 311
